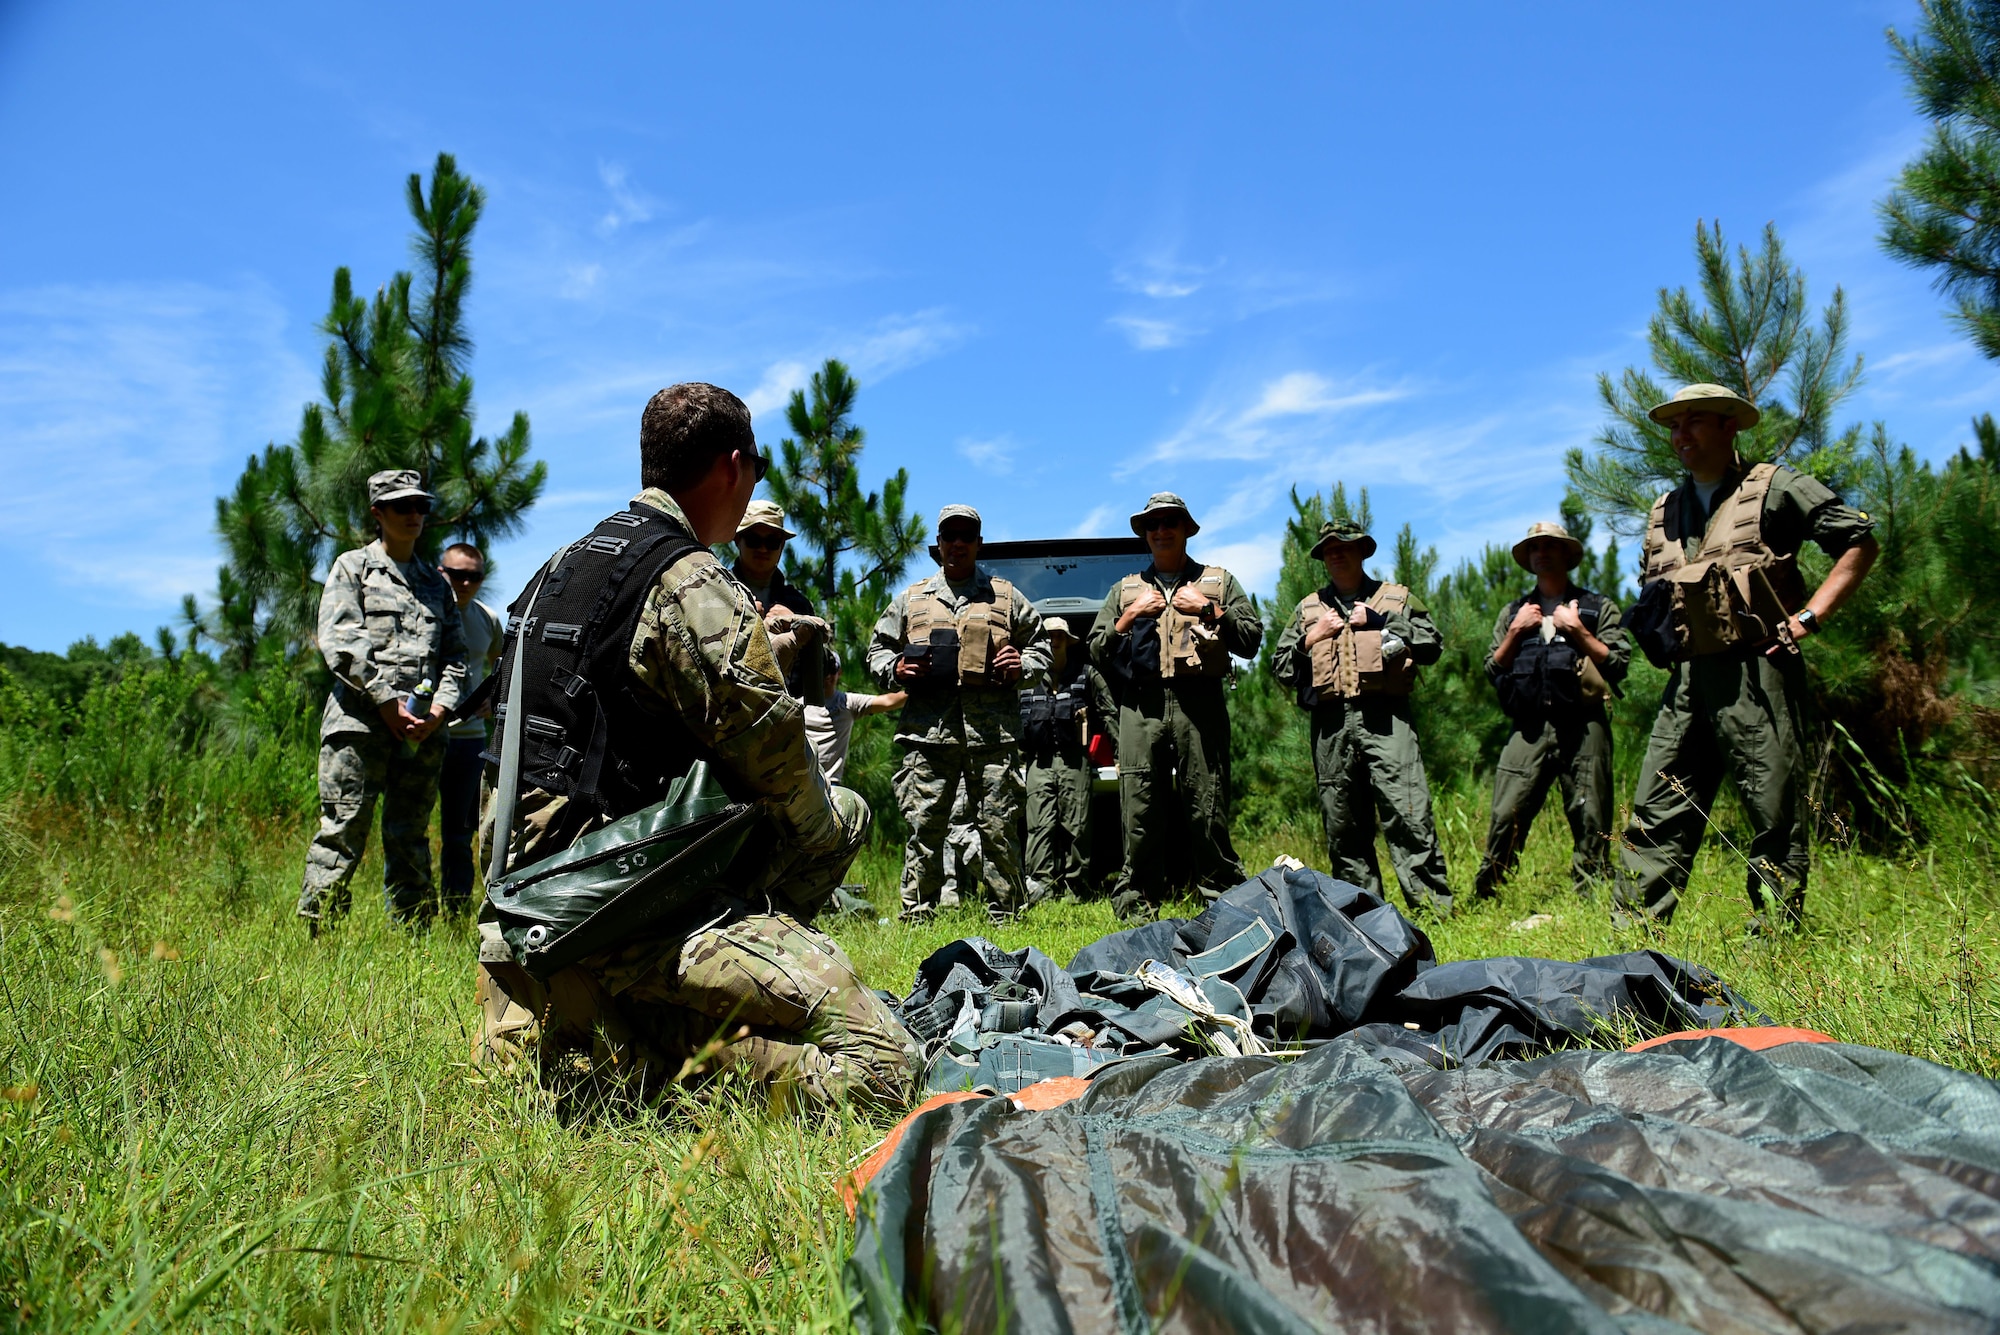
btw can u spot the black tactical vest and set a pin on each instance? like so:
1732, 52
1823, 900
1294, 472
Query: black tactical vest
1546, 676
1049, 718
587, 736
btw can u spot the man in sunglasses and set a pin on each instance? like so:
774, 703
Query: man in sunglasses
464, 568
1165, 637
389, 626
788, 614
962, 643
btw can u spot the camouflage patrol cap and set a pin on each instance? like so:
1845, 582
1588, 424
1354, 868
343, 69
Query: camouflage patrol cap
764, 514
951, 512
1703, 397
1164, 500
1548, 530
1338, 530
395, 484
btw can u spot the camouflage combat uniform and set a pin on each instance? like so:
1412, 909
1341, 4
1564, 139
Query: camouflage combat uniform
816, 1034
383, 629
960, 740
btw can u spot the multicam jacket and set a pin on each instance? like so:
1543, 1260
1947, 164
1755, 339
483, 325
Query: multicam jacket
383, 628
969, 715
701, 651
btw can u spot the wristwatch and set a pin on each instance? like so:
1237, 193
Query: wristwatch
1808, 618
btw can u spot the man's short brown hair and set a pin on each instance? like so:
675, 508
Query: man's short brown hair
685, 429
465, 549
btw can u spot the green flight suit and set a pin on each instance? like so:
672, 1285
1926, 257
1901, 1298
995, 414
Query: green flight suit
1366, 758
1173, 750
1059, 778
1567, 747
1741, 711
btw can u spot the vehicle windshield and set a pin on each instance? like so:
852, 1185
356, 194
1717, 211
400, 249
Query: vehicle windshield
1065, 576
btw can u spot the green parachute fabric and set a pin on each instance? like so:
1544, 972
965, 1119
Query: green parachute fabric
1695, 1186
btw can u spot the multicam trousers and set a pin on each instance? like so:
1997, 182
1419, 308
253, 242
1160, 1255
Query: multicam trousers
764, 996
354, 768
930, 781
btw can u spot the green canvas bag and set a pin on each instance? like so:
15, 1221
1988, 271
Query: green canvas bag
636, 877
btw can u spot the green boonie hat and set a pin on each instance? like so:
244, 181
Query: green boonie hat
1706, 398
1548, 530
395, 484
1164, 500
764, 514
1335, 530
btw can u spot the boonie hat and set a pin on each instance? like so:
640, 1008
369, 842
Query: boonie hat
764, 514
1548, 530
1340, 530
1059, 626
395, 484
1703, 397
1164, 500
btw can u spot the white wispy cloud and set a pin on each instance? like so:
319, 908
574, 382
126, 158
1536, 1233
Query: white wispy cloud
124, 410
1150, 334
995, 456
1102, 519
1280, 417
629, 205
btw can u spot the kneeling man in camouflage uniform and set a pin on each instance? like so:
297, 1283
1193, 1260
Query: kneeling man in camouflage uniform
962, 643
1351, 655
388, 623
679, 670
1726, 544
1558, 653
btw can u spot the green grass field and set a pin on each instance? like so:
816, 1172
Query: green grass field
212, 1123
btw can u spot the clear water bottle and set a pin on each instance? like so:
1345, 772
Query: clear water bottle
1392, 644
419, 704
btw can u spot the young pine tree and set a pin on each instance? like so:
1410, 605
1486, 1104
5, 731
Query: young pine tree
1750, 331
397, 395
1944, 214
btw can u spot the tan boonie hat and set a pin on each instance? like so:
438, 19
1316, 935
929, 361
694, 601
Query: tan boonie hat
1335, 530
1707, 398
764, 514
1059, 626
395, 484
1548, 530
1164, 500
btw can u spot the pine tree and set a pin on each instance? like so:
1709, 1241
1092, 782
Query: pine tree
857, 545
1945, 211
397, 395
1750, 332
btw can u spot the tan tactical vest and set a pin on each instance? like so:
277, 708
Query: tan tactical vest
1350, 664
983, 627
1187, 647
1735, 590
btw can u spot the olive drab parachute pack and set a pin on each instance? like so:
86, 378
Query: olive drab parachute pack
1550, 675
673, 830
1175, 644
1351, 664
984, 627
1735, 591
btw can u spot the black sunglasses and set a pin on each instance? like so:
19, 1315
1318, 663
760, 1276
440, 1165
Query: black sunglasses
1159, 519
463, 576
760, 461
763, 542
958, 535
409, 505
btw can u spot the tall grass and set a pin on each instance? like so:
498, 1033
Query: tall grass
210, 1122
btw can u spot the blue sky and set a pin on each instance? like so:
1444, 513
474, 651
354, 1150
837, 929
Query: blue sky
1074, 253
